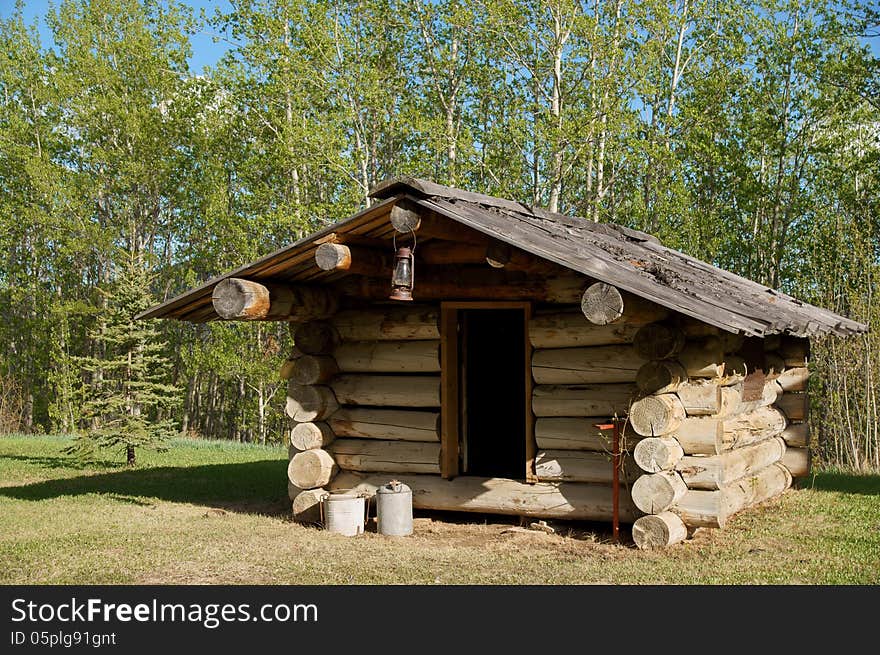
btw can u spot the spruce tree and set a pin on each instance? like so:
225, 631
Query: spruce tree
130, 400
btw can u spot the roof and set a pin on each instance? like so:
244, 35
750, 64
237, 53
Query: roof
628, 259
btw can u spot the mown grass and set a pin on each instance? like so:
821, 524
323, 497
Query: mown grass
207, 512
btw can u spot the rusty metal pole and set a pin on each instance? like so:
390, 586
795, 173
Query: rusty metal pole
615, 475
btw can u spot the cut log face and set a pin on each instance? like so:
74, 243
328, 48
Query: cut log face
703, 359
388, 323
369, 423
653, 416
388, 390
655, 454
247, 300
718, 471
316, 338
653, 493
712, 509
658, 531
307, 403
389, 357
582, 400
595, 364
306, 436
797, 461
602, 303
311, 469
370, 455
352, 259
657, 341
571, 330
566, 500
566, 433
307, 505
660, 377
580, 466
313, 369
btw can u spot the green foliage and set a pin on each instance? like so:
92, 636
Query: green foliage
743, 133
127, 402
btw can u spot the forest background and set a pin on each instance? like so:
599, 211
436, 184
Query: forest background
743, 133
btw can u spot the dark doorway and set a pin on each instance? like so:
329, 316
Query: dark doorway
493, 392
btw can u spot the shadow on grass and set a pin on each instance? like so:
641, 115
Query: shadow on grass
850, 483
251, 487
65, 462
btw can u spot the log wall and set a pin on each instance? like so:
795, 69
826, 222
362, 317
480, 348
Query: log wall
716, 440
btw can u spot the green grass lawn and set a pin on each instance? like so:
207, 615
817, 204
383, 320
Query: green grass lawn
206, 512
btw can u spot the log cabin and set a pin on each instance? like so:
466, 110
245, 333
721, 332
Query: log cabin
500, 358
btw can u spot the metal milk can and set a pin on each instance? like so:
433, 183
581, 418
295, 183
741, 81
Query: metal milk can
394, 509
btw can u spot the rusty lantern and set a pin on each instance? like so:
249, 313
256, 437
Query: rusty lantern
403, 275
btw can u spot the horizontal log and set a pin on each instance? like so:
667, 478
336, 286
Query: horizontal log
712, 509
444, 253
797, 461
306, 436
712, 436
580, 466
735, 365
388, 390
653, 416
568, 433
311, 469
568, 500
356, 260
374, 456
657, 531
795, 406
700, 399
603, 304
797, 435
703, 359
465, 284
582, 400
718, 471
594, 364
794, 379
503, 255
795, 351
315, 337
396, 323
571, 329
370, 423
657, 341
655, 454
312, 369
660, 377
248, 300
653, 493
309, 402
306, 505
388, 357
732, 399
406, 219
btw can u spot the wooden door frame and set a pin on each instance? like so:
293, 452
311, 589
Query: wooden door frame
450, 407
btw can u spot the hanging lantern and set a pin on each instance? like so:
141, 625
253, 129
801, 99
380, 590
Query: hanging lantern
403, 275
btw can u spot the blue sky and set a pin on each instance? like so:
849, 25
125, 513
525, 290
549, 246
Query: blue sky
205, 51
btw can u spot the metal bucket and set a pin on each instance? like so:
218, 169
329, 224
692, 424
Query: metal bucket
394, 509
344, 514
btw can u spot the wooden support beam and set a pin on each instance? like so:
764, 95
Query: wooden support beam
567, 500
247, 300
353, 259
603, 303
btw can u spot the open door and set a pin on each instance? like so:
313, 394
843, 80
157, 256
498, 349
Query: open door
486, 419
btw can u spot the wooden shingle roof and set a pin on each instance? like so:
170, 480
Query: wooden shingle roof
629, 259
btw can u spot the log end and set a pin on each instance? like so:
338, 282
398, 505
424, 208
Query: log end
235, 298
602, 303
658, 531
